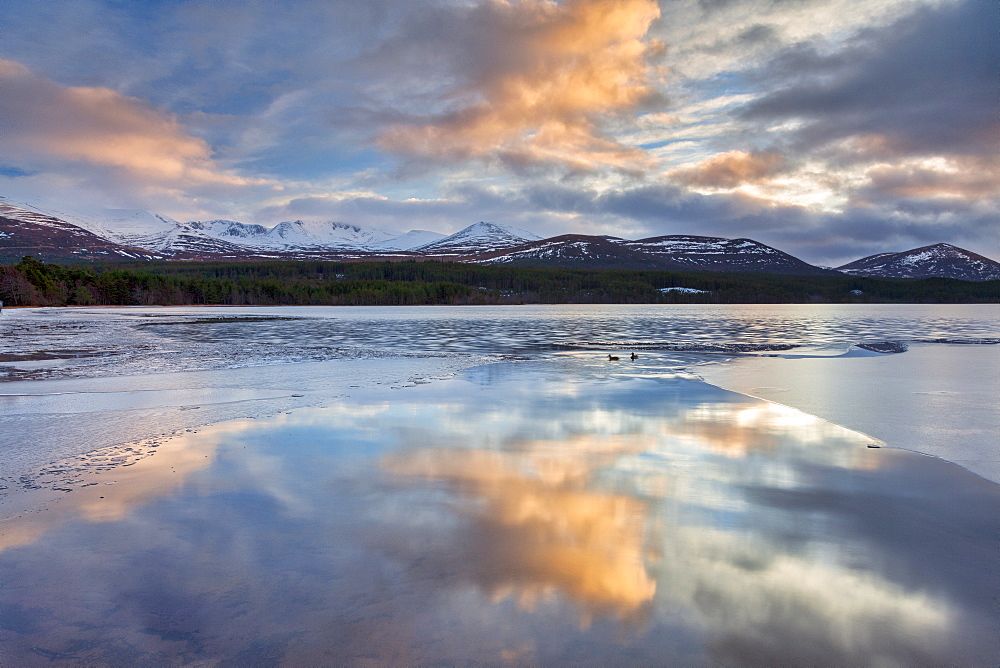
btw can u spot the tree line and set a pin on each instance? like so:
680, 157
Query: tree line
32, 282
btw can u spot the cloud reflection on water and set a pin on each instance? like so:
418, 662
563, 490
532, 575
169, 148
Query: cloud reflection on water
534, 517
532, 525
112, 494
650, 520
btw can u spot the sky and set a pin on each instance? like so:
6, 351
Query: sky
831, 129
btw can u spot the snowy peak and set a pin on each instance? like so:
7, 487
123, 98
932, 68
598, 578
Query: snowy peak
409, 240
136, 228
113, 224
27, 232
330, 234
937, 260
478, 239
228, 229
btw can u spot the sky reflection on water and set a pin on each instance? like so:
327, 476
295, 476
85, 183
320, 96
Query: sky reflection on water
525, 513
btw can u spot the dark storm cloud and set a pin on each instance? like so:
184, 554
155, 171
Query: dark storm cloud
927, 84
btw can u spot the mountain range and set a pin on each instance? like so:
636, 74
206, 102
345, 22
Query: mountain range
58, 234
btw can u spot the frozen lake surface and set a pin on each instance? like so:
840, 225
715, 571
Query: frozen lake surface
120, 374
310, 486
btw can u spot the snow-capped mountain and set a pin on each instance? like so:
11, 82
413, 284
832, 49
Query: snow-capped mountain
229, 229
478, 239
24, 232
300, 234
943, 260
720, 254
309, 236
163, 235
107, 223
294, 235
129, 227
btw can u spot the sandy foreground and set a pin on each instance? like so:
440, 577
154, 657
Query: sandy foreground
937, 399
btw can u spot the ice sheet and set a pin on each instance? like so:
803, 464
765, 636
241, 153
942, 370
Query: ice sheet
79, 380
49, 420
937, 399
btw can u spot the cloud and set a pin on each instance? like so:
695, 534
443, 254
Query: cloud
532, 80
732, 169
45, 122
968, 179
888, 127
552, 116
924, 85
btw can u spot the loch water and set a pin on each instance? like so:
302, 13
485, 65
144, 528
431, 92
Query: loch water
534, 503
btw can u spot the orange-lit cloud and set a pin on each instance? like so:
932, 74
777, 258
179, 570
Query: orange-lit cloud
539, 98
101, 127
733, 169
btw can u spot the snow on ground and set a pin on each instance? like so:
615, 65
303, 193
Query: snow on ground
689, 291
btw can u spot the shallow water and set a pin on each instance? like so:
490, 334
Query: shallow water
528, 513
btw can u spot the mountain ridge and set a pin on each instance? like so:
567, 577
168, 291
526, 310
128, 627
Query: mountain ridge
144, 235
941, 260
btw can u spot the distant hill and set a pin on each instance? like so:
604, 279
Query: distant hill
937, 260
573, 250
719, 254
672, 253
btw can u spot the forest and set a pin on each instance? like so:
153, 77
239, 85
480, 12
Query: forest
31, 282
